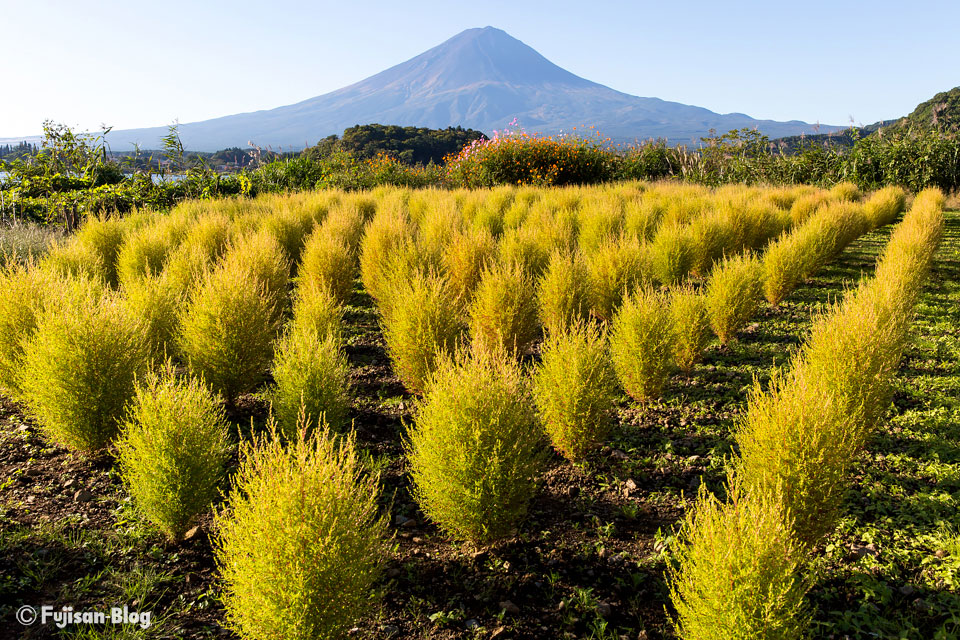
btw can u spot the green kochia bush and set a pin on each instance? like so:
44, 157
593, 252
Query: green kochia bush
228, 328
25, 290
312, 375
475, 449
737, 572
300, 544
641, 344
691, 328
733, 295
575, 389
79, 368
173, 450
422, 325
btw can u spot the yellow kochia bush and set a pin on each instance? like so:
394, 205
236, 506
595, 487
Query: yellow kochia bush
733, 295
799, 438
310, 369
312, 375
575, 389
382, 238
79, 367
563, 292
884, 206
25, 291
227, 330
465, 259
289, 227
422, 325
691, 327
316, 309
301, 541
210, 234
345, 221
173, 450
798, 255
72, 259
156, 300
504, 311
185, 266
261, 256
806, 205
641, 344
673, 253
475, 449
102, 237
737, 572
528, 247
616, 269
600, 223
328, 261
845, 191
145, 250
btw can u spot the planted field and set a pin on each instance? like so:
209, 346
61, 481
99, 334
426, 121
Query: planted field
641, 411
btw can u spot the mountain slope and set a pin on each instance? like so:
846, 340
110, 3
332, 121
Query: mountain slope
941, 112
480, 79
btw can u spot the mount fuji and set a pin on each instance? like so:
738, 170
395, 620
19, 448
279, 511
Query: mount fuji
479, 79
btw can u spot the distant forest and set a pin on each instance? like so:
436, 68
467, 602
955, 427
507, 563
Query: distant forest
410, 145
14, 151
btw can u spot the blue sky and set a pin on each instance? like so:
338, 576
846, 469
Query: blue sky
131, 63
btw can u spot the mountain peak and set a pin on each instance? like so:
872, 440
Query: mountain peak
482, 33
482, 55
481, 78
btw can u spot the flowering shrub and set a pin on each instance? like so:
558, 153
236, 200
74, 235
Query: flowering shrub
513, 156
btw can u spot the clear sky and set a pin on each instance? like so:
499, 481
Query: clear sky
131, 63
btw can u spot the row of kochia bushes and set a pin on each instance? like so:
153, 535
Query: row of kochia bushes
741, 571
431, 301
134, 330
